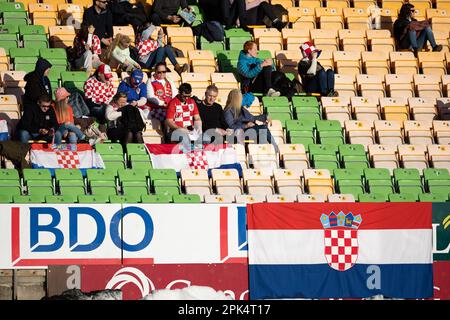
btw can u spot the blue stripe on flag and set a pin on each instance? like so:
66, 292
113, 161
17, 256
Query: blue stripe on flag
236, 166
321, 281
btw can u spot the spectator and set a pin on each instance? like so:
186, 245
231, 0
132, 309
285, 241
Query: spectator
124, 13
117, 55
98, 91
64, 116
165, 11
160, 91
152, 52
256, 74
125, 122
412, 34
254, 14
101, 18
212, 116
182, 116
38, 121
37, 84
244, 124
314, 77
87, 49
135, 89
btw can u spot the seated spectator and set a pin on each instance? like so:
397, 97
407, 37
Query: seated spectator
256, 74
98, 91
64, 115
87, 49
166, 11
124, 13
412, 34
160, 91
255, 13
125, 122
135, 89
38, 121
37, 84
117, 55
214, 126
244, 124
152, 52
314, 77
182, 119
100, 16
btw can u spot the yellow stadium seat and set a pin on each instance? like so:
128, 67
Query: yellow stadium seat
380, 40
258, 181
225, 82
403, 62
226, 181
418, 132
442, 131
181, 38
439, 156
395, 108
293, 156
370, 85
268, 39
241, 154
302, 18
345, 85
375, 62
326, 59
356, 18
432, 62
427, 85
124, 30
13, 83
399, 85
198, 81
202, 61
365, 108
4, 60
293, 38
325, 39
360, 132
195, 182
9, 108
262, 156
338, 4
413, 156
330, 18
362, 4
388, 132
347, 62
352, 40
288, 60
384, 156
388, 16
423, 108
276, 129
61, 36
288, 181
318, 181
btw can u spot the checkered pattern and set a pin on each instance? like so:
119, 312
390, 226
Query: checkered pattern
197, 160
158, 113
341, 248
146, 47
98, 92
184, 118
80, 46
68, 159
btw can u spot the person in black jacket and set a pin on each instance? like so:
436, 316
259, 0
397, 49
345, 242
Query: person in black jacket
165, 11
38, 121
38, 83
214, 126
124, 13
100, 16
411, 34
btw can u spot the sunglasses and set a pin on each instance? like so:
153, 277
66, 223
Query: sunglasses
161, 71
412, 10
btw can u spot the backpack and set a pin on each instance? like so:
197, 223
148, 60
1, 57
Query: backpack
131, 119
210, 30
279, 11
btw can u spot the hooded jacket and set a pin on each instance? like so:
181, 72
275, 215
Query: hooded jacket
248, 67
37, 84
34, 119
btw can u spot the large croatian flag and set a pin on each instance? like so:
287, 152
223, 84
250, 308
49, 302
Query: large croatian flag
80, 156
340, 250
211, 156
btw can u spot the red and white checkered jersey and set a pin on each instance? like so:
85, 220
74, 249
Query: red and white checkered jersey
99, 92
182, 113
146, 47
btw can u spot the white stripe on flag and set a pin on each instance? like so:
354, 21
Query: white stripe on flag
307, 246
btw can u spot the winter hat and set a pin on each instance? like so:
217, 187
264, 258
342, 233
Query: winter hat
61, 94
106, 70
308, 48
137, 75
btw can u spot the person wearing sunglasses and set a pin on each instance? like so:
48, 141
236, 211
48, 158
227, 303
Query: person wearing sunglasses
160, 91
183, 119
412, 34
100, 16
38, 122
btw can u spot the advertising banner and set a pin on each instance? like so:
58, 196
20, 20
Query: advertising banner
137, 281
41, 235
441, 232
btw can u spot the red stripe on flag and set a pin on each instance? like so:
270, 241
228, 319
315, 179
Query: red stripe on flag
157, 149
15, 234
295, 216
47, 147
223, 233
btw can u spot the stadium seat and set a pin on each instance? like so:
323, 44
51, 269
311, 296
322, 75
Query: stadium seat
93, 198
413, 156
311, 198
384, 156
247, 198
318, 181
195, 182
341, 198
212, 198
288, 181
186, 198
293, 156
258, 181
439, 156
156, 198
403, 197
262, 156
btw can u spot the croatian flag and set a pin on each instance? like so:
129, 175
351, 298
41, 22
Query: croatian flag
70, 156
173, 156
340, 250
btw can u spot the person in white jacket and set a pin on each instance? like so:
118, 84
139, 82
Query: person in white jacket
160, 91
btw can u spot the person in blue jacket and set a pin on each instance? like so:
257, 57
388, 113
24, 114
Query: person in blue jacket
256, 73
135, 88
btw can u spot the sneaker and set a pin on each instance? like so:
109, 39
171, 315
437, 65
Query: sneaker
273, 93
180, 69
332, 93
437, 48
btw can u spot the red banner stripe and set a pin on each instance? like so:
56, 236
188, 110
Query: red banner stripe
301, 216
157, 149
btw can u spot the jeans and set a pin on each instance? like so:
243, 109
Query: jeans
230, 12
24, 136
74, 133
159, 55
255, 16
418, 42
322, 82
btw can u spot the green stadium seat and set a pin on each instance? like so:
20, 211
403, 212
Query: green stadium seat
12, 7
68, 174
10, 191
235, 38
156, 198
433, 197
26, 64
37, 198
31, 29
437, 180
114, 166
110, 152
39, 41
57, 56
60, 199
11, 28
133, 175
214, 46
301, 102
353, 156
6, 198
187, 198
166, 190
349, 181
124, 199
9, 174
8, 41
72, 191
43, 190
93, 198
403, 197
377, 174
17, 17
23, 52
372, 197
227, 60
74, 79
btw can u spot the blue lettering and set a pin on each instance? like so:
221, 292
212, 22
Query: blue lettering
114, 228
242, 227
35, 228
73, 231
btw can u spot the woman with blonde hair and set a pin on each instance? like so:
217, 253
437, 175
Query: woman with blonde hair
244, 123
118, 54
